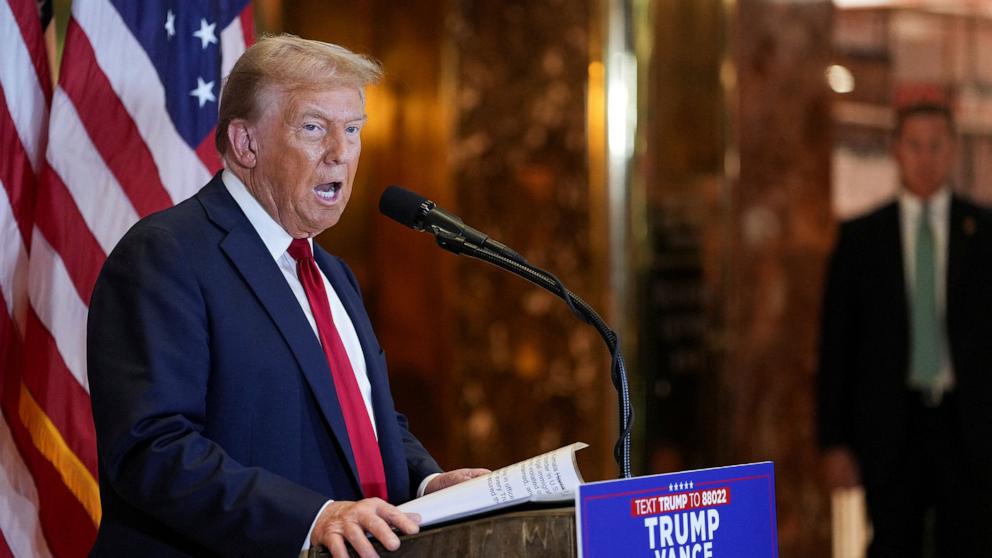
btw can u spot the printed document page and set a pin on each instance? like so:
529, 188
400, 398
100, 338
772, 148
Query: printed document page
549, 477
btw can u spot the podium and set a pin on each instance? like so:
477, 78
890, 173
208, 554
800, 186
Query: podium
545, 533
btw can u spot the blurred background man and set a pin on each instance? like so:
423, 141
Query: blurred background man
905, 401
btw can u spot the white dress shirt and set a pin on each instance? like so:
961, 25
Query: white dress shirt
910, 207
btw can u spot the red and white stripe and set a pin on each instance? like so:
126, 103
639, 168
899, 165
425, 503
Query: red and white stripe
23, 117
24, 93
18, 502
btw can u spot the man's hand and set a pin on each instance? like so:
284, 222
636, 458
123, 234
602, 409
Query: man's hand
451, 478
349, 521
840, 468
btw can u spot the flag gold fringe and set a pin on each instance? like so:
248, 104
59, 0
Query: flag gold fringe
52, 445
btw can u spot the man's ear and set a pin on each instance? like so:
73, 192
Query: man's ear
242, 142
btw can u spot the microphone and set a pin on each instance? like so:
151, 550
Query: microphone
421, 214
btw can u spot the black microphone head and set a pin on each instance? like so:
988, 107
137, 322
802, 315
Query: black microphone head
403, 206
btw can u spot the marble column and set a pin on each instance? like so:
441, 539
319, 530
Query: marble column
782, 233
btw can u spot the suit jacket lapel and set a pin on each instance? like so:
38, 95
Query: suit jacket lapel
960, 228
892, 260
248, 254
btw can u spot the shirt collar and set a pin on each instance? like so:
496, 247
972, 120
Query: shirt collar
939, 202
275, 238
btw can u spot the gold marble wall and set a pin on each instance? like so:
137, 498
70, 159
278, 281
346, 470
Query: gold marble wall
531, 376
782, 233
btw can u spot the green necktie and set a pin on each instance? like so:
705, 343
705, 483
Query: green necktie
925, 356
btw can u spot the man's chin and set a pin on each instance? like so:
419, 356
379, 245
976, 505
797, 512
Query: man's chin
324, 222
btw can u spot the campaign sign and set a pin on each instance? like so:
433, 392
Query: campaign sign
727, 512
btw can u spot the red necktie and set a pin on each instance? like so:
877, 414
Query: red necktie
356, 417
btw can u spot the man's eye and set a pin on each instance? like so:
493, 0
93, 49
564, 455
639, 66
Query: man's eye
352, 129
311, 127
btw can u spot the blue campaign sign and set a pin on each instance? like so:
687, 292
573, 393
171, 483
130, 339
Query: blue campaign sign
709, 513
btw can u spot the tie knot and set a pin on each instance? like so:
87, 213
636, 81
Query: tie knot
299, 249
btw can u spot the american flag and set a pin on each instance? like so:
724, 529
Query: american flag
129, 130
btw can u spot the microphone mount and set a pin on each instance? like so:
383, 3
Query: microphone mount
618, 372
452, 234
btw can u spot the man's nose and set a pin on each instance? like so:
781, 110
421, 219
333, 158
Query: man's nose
335, 149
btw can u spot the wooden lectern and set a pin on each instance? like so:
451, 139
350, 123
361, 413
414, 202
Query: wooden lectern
548, 533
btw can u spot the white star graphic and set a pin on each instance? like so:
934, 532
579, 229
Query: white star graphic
690, 484
670, 487
204, 91
206, 33
170, 24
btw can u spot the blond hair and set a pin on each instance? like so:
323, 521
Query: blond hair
288, 63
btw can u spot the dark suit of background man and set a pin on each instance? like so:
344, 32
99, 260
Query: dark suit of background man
221, 426
905, 403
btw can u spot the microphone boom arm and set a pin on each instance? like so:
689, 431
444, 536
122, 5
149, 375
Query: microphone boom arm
519, 266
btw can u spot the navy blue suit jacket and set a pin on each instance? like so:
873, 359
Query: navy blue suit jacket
218, 428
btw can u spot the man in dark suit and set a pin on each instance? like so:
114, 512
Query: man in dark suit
241, 400
905, 379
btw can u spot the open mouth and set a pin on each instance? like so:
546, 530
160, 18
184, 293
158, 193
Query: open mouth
329, 191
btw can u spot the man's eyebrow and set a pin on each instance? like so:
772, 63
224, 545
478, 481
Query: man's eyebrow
314, 113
